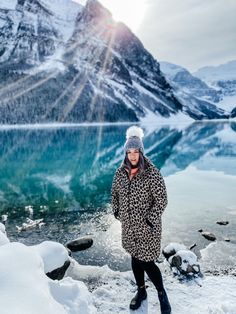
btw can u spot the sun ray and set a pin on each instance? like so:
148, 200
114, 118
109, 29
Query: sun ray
31, 87
68, 87
37, 70
99, 141
71, 104
108, 52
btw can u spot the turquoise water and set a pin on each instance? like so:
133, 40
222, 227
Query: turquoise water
65, 174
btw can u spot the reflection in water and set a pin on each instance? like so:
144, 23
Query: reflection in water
70, 165
66, 175
75, 165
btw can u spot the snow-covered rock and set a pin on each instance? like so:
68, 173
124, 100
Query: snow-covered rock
53, 254
3, 236
182, 261
25, 289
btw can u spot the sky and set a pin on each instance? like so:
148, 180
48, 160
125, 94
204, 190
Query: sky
190, 33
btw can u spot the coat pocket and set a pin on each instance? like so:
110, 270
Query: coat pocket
148, 222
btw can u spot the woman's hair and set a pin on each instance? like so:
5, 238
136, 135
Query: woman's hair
127, 164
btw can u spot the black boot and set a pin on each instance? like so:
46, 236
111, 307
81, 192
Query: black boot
164, 302
138, 298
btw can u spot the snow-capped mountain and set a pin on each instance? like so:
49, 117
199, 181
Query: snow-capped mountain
199, 100
34, 30
223, 78
213, 74
60, 61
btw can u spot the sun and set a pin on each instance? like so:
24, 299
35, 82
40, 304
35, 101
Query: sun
130, 12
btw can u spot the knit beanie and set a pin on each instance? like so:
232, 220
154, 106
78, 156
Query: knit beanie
134, 135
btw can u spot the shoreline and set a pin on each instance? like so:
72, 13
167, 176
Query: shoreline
93, 124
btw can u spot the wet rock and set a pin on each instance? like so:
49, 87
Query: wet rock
222, 222
58, 274
193, 246
208, 235
80, 244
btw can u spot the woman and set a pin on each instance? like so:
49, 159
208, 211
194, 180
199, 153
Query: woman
138, 200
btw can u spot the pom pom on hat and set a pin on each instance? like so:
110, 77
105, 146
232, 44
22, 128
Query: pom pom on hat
134, 136
134, 131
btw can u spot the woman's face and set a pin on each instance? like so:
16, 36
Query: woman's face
133, 156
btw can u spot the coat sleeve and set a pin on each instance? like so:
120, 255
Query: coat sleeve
115, 198
159, 193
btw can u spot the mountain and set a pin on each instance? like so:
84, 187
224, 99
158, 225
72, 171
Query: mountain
61, 61
223, 78
199, 100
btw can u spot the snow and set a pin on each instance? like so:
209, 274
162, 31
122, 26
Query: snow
143, 90
114, 296
53, 254
25, 289
24, 286
228, 103
223, 249
57, 125
2, 22
8, 5
152, 121
51, 63
187, 257
2, 228
170, 69
174, 247
64, 9
116, 289
3, 236
3, 239
82, 2
65, 13
223, 72
73, 295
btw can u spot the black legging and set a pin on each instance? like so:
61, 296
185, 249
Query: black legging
152, 271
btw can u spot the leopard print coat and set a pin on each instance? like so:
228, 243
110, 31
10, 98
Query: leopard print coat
138, 204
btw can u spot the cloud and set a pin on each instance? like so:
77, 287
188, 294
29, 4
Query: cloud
191, 33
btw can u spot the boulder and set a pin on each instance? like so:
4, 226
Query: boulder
58, 274
182, 261
172, 248
80, 244
222, 222
208, 235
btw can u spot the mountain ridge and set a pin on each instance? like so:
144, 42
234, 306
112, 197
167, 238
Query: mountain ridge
90, 68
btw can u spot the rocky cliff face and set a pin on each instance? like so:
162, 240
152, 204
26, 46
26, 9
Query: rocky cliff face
63, 62
222, 78
199, 100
